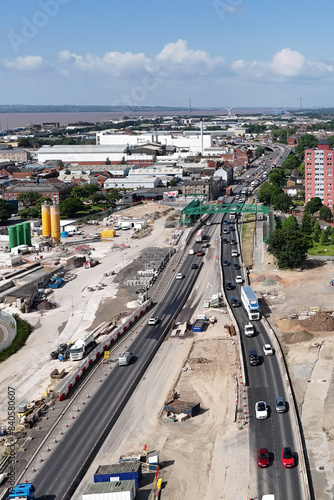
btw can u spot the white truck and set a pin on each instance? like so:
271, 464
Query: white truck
250, 303
82, 346
125, 358
248, 329
199, 236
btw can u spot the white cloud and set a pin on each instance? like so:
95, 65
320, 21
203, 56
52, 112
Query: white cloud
27, 63
115, 63
288, 62
179, 57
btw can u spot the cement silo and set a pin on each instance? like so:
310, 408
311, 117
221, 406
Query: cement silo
27, 233
55, 222
46, 220
12, 232
20, 234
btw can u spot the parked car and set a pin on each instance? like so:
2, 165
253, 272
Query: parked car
261, 410
288, 458
280, 405
268, 350
263, 457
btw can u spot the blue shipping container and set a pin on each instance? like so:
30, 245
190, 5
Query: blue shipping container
123, 471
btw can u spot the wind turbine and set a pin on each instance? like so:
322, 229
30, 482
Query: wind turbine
229, 111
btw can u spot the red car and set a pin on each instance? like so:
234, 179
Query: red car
263, 457
288, 458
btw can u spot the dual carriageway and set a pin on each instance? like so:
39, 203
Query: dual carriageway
66, 466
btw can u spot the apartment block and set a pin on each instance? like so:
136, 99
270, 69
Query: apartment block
319, 173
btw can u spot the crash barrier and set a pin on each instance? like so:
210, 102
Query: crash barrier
103, 346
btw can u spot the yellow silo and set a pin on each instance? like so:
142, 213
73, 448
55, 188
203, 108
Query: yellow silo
46, 220
55, 222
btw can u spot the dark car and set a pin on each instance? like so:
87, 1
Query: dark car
229, 286
225, 240
263, 457
225, 231
194, 266
253, 358
226, 263
225, 222
236, 265
54, 354
232, 228
233, 242
235, 302
288, 458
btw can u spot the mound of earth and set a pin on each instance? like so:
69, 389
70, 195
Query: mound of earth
262, 278
320, 322
286, 325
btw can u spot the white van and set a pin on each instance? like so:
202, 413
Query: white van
125, 358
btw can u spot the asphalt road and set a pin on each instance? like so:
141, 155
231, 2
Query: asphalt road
66, 466
265, 384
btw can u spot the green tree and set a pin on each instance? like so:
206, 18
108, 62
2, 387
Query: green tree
306, 141
289, 246
282, 202
313, 205
325, 236
277, 177
6, 209
78, 192
70, 207
291, 161
89, 189
290, 223
307, 225
98, 197
325, 213
316, 233
301, 169
267, 193
30, 213
259, 151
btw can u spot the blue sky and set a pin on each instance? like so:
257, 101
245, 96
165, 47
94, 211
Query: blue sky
128, 52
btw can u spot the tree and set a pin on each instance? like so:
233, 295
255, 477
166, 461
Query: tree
307, 225
267, 192
70, 207
259, 151
89, 189
289, 246
291, 161
325, 236
277, 177
6, 209
325, 213
313, 205
78, 192
29, 197
306, 141
282, 202
290, 223
98, 197
301, 169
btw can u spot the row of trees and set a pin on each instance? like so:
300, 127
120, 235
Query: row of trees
76, 202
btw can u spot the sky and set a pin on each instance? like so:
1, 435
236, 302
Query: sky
218, 53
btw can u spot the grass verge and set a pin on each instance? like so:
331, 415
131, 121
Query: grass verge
323, 250
24, 329
247, 239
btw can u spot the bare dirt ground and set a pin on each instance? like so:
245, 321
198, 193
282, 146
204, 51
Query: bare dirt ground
308, 344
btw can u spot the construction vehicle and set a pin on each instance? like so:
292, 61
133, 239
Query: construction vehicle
23, 491
82, 347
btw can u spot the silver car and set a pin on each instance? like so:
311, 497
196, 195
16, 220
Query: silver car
280, 405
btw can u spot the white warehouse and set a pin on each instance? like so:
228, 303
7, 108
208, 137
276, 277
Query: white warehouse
133, 183
91, 154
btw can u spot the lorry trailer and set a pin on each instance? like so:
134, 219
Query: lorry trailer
250, 303
199, 236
